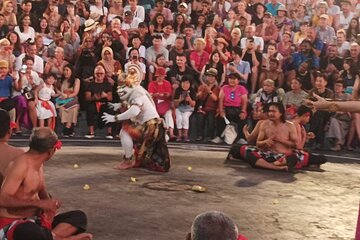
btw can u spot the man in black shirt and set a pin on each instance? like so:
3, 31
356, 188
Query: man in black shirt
331, 64
179, 70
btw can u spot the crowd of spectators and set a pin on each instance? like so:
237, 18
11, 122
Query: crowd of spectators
203, 62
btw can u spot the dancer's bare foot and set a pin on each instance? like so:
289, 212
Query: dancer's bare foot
125, 164
81, 236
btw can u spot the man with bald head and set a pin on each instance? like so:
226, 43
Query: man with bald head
27, 211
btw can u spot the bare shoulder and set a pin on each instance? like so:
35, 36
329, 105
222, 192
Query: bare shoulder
265, 123
290, 125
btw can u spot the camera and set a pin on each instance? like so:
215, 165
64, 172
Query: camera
216, 42
23, 68
231, 64
134, 57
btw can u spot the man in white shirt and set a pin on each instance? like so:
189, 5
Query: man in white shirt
138, 11
250, 33
31, 51
130, 23
168, 37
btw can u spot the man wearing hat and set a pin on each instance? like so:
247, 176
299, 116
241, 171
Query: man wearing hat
325, 32
6, 85
208, 95
273, 7
343, 20
138, 11
161, 90
130, 23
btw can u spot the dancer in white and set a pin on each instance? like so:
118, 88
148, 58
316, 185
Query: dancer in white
141, 124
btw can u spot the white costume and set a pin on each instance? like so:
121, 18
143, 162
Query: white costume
45, 108
146, 127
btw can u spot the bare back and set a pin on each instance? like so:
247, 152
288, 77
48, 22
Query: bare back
8, 153
23, 180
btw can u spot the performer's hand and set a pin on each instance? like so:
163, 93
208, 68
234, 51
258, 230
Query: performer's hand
49, 204
321, 103
108, 118
114, 106
310, 135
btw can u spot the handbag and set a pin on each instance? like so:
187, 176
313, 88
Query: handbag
230, 132
67, 103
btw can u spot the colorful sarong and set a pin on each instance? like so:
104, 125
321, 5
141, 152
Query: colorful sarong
251, 154
150, 149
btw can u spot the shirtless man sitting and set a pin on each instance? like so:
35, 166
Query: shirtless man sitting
27, 211
275, 144
8, 153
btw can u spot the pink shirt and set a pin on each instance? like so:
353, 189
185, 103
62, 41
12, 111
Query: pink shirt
232, 98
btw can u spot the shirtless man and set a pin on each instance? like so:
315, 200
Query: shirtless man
23, 196
8, 153
275, 143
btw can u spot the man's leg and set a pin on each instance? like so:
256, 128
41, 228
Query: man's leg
69, 223
128, 145
264, 164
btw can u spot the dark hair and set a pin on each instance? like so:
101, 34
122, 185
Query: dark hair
156, 36
21, 26
237, 50
349, 30
47, 30
211, 62
42, 139
5, 122
175, 23
2, 15
26, 1
158, 56
49, 75
17, 45
154, 21
181, 55
72, 77
297, 79
319, 74
340, 82
303, 110
353, 68
281, 109
27, 57
133, 49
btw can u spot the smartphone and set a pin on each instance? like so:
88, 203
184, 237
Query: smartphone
23, 68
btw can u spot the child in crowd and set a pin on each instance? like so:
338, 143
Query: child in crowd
340, 122
184, 101
268, 93
45, 109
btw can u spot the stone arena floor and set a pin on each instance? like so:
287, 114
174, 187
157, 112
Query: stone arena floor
139, 204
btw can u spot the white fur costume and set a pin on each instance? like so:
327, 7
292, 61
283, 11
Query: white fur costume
141, 108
